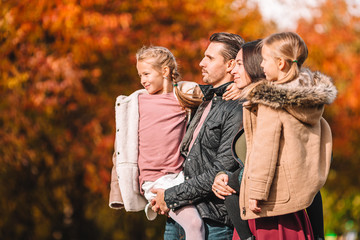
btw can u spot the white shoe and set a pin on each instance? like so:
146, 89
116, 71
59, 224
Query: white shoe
150, 214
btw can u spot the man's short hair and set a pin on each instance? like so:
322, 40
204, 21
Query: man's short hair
232, 43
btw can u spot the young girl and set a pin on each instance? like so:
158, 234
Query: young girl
288, 141
150, 126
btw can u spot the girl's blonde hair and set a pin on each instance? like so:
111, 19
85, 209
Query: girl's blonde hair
289, 46
160, 57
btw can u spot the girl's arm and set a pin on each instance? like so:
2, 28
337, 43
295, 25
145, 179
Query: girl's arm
264, 152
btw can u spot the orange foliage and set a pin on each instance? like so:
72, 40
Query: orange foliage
334, 49
62, 64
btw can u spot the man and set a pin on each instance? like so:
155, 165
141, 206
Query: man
207, 142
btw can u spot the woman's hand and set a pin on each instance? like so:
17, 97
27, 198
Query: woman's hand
254, 205
232, 92
220, 187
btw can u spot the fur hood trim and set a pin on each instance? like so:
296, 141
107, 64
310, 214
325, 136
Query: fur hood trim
309, 89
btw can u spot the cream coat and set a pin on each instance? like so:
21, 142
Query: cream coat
289, 144
124, 186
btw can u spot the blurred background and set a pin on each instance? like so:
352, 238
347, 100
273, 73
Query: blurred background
63, 62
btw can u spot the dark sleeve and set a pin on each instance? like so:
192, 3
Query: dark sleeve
199, 187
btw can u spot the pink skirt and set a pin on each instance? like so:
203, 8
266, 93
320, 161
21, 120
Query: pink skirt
290, 226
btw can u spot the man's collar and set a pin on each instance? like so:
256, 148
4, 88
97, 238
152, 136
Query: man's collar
209, 91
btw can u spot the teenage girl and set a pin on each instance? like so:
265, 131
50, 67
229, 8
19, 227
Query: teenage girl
288, 141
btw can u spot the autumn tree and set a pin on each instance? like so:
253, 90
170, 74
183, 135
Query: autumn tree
62, 63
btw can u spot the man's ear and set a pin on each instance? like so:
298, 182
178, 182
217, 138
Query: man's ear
166, 71
230, 65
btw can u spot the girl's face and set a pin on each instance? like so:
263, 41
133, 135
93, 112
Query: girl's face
150, 78
269, 64
241, 78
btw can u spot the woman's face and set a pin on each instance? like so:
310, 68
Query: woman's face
241, 78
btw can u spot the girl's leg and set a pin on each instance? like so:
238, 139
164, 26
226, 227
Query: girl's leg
315, 213
189, 218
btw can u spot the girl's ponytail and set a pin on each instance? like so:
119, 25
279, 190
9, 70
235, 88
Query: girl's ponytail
292, 73
186, 100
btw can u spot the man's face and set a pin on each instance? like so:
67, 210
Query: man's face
213, 65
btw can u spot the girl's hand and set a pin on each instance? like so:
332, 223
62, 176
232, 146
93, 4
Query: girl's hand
231, 93
253, 205
220, 187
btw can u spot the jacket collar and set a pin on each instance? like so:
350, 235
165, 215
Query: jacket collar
309, 89
209, 91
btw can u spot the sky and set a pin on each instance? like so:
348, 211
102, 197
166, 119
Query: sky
287, 12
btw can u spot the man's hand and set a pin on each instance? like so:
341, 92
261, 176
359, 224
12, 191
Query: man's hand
254, 205
220, 187
232, 92
158, 203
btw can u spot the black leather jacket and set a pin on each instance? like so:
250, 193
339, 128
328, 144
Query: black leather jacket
210, 153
